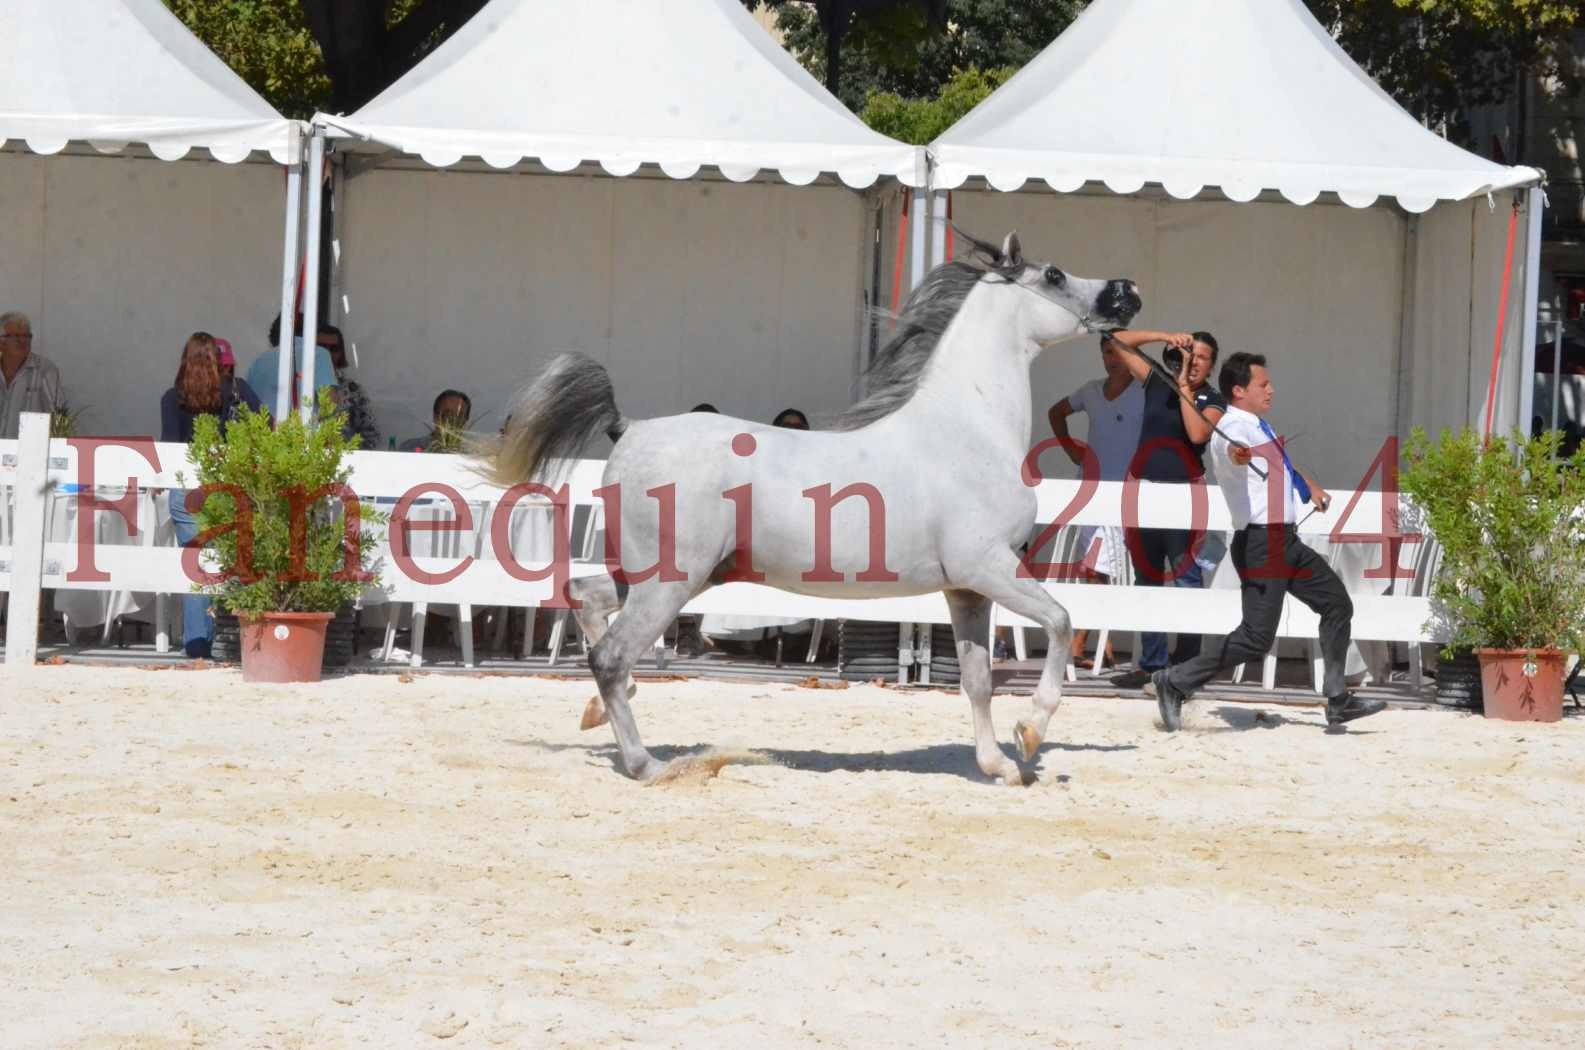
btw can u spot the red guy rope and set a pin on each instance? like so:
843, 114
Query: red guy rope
1502, 315
902, 245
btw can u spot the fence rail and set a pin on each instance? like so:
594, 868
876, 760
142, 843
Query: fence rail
36, 470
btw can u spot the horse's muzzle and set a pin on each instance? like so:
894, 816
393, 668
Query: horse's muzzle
1119, 301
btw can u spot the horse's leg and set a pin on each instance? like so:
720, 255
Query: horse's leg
971, 628
1000, 582
597, 600
647, 611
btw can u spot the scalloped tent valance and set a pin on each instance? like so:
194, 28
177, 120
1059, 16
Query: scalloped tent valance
119, 72
622, 83
1246, 96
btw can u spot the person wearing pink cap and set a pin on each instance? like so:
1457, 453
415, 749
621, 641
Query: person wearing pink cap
228, 368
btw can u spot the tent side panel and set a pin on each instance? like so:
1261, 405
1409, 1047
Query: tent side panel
824, 243
741, 295
130, 256
1458, 288
1316, 289
23, 215
1445, 361
894, 267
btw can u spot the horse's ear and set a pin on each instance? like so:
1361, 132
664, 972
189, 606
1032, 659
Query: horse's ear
1012, 251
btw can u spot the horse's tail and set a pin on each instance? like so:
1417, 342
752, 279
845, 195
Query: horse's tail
554, 418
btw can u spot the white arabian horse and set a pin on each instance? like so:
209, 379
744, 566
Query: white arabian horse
917, 488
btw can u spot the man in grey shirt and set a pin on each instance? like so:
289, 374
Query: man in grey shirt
29, 382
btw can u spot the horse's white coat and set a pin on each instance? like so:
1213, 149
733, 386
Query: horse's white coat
943, 471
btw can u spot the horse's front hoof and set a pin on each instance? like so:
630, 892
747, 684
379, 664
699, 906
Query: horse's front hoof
593, 713
1027, 741
1013, 776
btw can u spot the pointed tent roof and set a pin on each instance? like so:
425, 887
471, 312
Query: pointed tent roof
680, 84
1245, 95
113, 72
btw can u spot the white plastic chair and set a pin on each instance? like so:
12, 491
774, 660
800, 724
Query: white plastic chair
441, 544
517, 527
1122, 577
1427, 564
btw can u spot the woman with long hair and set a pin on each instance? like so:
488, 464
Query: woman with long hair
197, 391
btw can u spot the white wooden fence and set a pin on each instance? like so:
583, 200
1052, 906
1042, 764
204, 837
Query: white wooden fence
36, 469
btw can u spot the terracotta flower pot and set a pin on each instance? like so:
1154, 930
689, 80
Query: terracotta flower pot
1522, 685
284, 647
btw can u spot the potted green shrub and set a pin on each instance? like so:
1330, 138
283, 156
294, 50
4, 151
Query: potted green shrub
291, 542
1510, 516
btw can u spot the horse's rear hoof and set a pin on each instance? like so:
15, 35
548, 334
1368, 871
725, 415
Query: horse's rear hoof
652, 771
1027, 741
593, 713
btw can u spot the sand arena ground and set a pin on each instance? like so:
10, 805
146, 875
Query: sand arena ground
447, 861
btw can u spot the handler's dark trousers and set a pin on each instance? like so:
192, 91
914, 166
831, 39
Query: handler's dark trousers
1160, 555
1271, 563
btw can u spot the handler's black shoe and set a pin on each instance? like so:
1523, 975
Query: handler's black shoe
1169, 702
1138, 678
1346, 708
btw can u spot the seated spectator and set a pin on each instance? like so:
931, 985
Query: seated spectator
792, 419
705, 406
264, 373
29, 381
350, 395
199, 390
450, 415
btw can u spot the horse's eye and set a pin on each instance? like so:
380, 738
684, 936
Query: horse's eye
1055, 276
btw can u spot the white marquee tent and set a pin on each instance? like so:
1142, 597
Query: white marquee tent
1180, 135
733, 286
116, 255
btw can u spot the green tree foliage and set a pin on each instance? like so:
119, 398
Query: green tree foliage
369, 44
825, 27
267, 43
908, 51
920, 120
1440, 58
307, 55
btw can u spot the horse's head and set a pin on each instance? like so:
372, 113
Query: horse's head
1064, 305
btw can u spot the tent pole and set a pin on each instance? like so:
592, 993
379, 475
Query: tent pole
1557, 354
1403, 395
316, 200
1536, 202
294, 198
938, 229
921, 220
921, 240
338, 193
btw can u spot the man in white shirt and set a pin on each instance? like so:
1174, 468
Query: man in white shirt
1270, 560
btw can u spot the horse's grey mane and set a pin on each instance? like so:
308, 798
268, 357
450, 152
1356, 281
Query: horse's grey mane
894, 375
